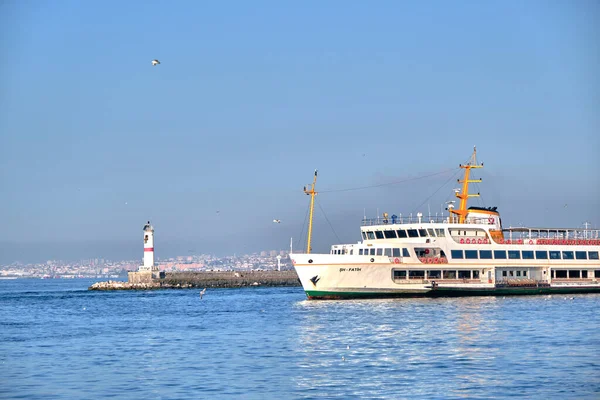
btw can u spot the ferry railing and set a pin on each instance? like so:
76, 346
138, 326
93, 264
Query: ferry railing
551, 236
435, 219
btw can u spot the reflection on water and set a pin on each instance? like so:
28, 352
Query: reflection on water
271, 343
463, 348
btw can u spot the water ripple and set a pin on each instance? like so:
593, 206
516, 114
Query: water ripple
60, 341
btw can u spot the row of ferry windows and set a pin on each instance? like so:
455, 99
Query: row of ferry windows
524, 255
403, 233
436, 274
388, 252
573, 273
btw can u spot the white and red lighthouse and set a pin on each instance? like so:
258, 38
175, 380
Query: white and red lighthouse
148, 248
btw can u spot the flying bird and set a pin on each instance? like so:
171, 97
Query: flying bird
277, 221
202, 293
155, 63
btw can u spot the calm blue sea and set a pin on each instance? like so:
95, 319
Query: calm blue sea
60, 341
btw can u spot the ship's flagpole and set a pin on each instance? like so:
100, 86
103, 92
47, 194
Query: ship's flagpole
312, 194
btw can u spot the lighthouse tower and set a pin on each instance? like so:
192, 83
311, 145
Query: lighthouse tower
148, 250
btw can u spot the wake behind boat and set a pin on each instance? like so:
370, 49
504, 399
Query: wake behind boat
468, 253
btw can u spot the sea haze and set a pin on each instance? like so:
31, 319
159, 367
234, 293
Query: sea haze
60, 341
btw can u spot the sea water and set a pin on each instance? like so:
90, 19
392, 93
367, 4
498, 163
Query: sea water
60, 341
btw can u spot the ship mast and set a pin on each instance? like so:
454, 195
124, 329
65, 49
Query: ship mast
464, 194
312, 194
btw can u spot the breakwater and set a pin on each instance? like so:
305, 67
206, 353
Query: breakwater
209, 279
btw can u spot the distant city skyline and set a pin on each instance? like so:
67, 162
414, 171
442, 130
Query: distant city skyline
217, 141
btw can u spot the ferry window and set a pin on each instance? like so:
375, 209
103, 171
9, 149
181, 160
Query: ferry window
440, 232
405, 252
471, 254
360, 252
518, 273
370, 235
527, 254
416, 274
379, 252
560, 273
524, 273
581, 255
573, 274
430, 231
584, 273
475, 274
593, 255
379, 234
514, 254
567, 255
390, 234
401, 233
504, 273
464, 274
485, 254
396, 252
423, 232
500, 254
399, 274
351, 251
437, 274
449, 274
364, 235
387, 252
511, 273
597, 273
555, 255
412, 233
541, 254
456, 254
372, 252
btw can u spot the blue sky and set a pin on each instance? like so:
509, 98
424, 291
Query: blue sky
251, 97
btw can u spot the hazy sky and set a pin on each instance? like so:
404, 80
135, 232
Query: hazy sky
251, 96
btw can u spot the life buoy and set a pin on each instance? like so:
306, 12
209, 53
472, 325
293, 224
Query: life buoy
501, 241
468, 241
485, 241
491, 220
436, 260
396, 260
426, 251
462, 241
581, 242
530, 241
520, 241
479, 241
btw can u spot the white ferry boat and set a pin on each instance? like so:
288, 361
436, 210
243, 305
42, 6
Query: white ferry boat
468, 253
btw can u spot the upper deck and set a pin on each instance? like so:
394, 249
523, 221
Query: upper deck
514, 235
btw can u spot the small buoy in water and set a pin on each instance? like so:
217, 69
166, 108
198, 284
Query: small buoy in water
347, 347
343, 358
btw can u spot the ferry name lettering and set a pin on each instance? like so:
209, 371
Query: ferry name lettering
355, 269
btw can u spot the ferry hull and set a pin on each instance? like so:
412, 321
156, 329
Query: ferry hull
449, 292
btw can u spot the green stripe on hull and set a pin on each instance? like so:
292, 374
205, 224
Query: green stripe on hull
451, 292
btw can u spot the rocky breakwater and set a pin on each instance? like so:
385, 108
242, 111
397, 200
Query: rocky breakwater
230, 279
209, 279
119, 285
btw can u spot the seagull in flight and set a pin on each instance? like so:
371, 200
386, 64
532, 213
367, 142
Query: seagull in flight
202, 293
155, 63
277, 221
